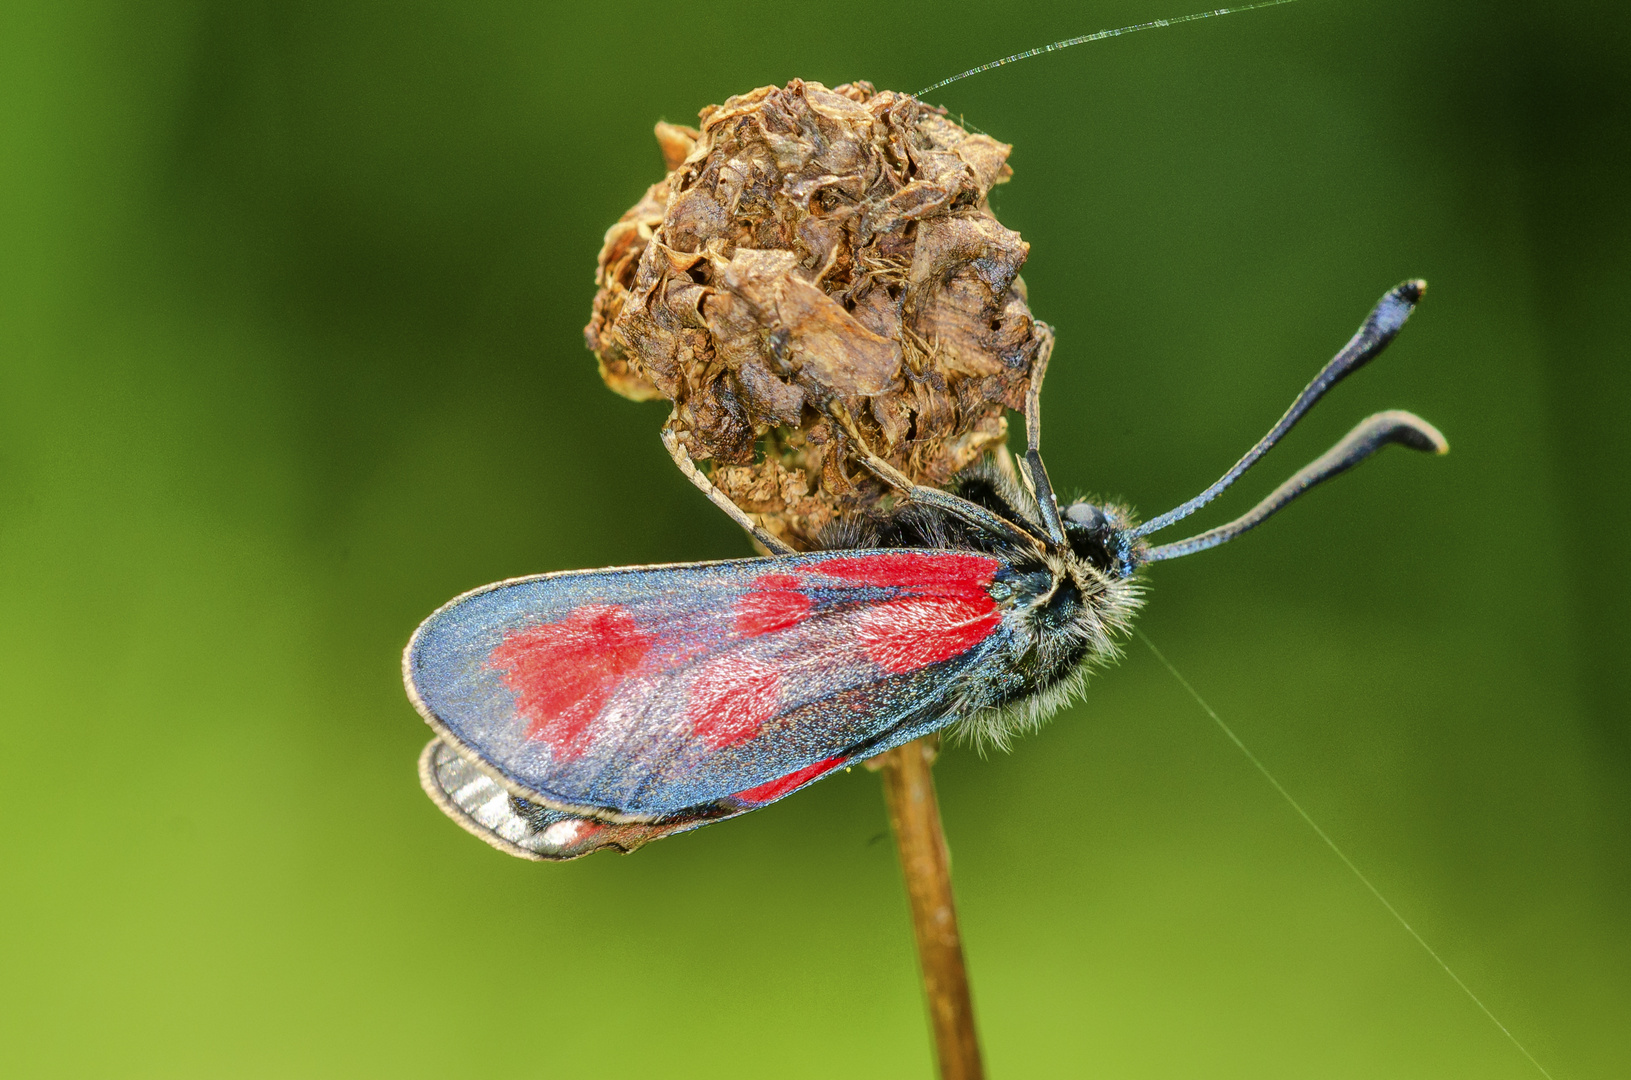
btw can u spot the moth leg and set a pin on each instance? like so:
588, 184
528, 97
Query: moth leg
1031, 468
973, 513
874, 464
671, 440
1033, 391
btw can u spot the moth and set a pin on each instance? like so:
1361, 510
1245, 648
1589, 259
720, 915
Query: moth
593, 709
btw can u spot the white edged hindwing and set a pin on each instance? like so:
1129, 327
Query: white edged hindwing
484, 808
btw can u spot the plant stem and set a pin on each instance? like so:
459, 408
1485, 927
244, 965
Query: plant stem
914, 815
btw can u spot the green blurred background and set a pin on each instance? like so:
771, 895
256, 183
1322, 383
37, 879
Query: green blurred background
290, 310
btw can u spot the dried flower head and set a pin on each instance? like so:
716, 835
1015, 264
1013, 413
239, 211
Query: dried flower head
820, 268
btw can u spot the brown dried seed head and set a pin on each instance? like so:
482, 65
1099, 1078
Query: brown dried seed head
820, 267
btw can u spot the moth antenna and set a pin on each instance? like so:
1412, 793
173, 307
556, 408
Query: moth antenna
1380, 327
1100, 36
1371, 434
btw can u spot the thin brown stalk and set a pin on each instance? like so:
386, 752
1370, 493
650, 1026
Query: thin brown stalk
914, 815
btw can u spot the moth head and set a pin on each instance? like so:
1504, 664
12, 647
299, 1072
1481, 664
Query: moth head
1095, 533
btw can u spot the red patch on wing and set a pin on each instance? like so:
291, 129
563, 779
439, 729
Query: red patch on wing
562, 672
920, 572
777, 788
904, 635
947, 612
731, 698
775, 602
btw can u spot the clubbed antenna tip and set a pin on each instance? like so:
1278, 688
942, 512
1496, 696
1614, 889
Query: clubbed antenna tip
1380, 327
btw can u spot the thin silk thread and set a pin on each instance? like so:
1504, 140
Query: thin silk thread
1100, 36
1349, 863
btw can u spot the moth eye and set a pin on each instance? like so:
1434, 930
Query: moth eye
1087, 516
1089, 530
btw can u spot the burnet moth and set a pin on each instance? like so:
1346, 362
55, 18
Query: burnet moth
589, 709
